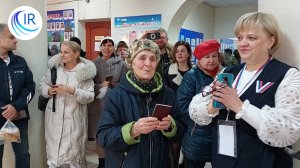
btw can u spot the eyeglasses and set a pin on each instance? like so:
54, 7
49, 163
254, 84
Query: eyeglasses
207, 90
163, 37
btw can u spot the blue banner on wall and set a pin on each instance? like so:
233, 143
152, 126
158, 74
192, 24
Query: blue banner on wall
130, 28
191, 37
228, 43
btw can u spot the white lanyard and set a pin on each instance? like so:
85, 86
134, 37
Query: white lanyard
248, 84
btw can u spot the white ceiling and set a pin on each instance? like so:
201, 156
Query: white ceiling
228, 3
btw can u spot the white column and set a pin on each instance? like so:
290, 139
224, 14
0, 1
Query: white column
287, 14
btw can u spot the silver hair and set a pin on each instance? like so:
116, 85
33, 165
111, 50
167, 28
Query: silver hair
161, 30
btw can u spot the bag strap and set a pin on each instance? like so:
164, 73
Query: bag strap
53, 75
53, 81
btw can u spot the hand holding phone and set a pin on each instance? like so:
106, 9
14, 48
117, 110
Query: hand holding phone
226, 79
161, 111
109, 78
54, 86
153, 36
52, 90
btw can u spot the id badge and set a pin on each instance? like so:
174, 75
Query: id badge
227, 144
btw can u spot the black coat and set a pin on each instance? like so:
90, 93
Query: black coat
251, 151
127, 103
23, 85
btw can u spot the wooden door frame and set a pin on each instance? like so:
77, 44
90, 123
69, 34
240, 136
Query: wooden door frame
88, 27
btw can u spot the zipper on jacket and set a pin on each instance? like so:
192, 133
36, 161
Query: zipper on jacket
123, 160
193, 128
149, 100
7, 81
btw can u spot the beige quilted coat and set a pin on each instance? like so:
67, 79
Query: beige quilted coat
66, 129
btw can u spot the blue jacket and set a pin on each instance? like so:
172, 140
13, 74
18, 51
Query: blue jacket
22, 84
124, 105
196, 143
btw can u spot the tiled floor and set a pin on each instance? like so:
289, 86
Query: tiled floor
91, 155
92, 158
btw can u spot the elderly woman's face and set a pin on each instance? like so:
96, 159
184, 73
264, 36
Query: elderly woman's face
144, 65
68, 55
253, 43
210, 61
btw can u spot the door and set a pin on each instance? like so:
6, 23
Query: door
93, 31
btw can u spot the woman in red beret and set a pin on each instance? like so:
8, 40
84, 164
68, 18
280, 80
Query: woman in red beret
262, 106
196, 143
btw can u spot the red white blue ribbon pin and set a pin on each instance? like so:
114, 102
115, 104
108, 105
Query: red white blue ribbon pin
260, 88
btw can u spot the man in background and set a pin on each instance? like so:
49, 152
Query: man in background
165, 51
230, 60
77, 40
122, 51
17, 89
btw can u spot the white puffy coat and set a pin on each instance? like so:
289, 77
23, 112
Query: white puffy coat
66, 128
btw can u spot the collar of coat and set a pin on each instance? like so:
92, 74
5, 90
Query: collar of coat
173, 70
112, 61
85, 72
157, 79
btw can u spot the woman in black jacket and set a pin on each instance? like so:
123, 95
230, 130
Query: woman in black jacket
127, 131
181, 55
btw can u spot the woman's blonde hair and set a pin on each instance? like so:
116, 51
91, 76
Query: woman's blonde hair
266, 21
74, 47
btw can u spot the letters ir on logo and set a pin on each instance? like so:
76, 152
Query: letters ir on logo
25, 23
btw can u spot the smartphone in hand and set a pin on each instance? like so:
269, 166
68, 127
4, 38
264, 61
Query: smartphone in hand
153, 36
227, 80
109, 78
161, 110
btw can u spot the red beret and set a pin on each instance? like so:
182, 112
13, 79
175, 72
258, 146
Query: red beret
205, 48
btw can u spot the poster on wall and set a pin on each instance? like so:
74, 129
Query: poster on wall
228, 43
191, 37
60, 27
130, 28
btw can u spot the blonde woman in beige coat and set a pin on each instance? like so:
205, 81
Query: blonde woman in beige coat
66, 128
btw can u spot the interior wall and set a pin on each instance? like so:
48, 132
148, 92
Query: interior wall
213, 22
287, 15
35, 53
109, 9
201, 19
53, 5
225, 19
167, 8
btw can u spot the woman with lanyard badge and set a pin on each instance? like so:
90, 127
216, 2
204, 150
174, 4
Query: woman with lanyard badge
263, 108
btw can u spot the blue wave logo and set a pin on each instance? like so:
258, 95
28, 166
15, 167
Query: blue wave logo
25, 23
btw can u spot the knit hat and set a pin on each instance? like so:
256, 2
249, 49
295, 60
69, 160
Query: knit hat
206, 47
141, 45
